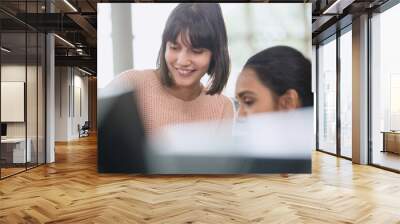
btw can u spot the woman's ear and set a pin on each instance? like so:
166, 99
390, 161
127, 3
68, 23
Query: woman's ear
290, 100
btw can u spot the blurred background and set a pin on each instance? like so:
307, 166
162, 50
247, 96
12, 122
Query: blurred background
129, 35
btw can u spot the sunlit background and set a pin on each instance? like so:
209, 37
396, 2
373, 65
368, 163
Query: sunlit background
129, 35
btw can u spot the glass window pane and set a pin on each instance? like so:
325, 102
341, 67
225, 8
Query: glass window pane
346, 94
31, 97
13, 87
327, 97
41, 98
386, 89
22, 90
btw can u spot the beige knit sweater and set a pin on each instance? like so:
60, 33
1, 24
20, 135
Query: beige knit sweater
159, 108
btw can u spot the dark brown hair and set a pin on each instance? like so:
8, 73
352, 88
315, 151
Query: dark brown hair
204, 24
282, 68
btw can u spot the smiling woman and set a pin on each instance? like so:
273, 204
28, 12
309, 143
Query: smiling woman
194, 43
186, 66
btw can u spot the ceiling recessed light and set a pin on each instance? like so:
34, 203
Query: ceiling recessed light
70, 5
64, 40
337, 7
84, 71
5, 50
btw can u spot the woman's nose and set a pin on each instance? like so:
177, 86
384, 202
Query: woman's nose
183, 59
241, 112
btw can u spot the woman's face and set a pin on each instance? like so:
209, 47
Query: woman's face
186, 64
253, 96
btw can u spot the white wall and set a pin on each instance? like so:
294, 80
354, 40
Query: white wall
33, 126
70, 83
79, 117
14, 73
61, 103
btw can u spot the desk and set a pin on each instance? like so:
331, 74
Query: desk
391, 141
15, 148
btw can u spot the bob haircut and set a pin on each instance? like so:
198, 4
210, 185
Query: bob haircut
282, 68
204, 25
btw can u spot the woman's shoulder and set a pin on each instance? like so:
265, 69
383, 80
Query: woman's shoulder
229, 107
137, 75
223, 102
218, 98
132, 78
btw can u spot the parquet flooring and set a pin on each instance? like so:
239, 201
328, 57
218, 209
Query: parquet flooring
10, 171
71, 191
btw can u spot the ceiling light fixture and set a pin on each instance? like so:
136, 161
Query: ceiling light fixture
337, 7
86, 72
79, 51
65, 41
5, 50
70, 5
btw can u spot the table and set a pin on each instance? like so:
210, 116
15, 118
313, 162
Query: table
13, 150
391, 141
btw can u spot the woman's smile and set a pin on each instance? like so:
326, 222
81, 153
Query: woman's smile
185, 72
186, 64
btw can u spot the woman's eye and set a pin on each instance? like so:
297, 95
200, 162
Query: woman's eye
248, 101
173, 46
198, 50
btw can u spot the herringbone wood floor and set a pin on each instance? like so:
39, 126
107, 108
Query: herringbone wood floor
71, 191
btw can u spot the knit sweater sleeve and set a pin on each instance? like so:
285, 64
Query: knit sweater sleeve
124, 82
228, 111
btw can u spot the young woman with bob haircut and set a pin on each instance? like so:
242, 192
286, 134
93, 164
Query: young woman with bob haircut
194, 43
